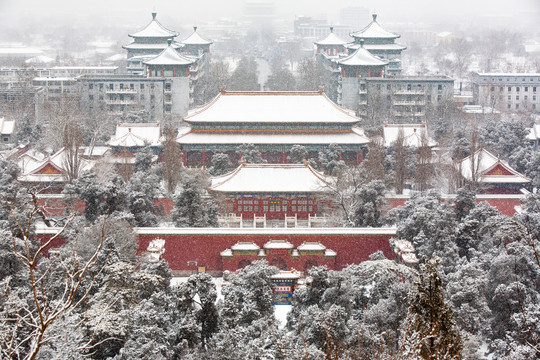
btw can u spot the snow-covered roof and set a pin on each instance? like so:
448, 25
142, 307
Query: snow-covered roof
272, 107
272, 178
375, 47
196, 39
374, 31
534, 133
362, 57
331, 39
330, 253
136, 135
144, 46
245, 246
278, 244
353, 137
169, 56
226, 253
6, 126
154, 29
52, 168
413, 134
293, 274
490, 169
40, 59
311, 246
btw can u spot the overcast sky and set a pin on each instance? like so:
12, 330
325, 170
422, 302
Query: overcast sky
137, 12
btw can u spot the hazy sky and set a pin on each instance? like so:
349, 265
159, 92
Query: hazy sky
137, 12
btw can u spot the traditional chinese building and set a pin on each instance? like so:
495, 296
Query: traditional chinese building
52, 173
380, 43
272, 191
493, 175
274, 122
414, 135
331, 45
174, 67
147, 43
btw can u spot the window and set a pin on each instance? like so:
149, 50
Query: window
509, 88
142, 86
439, 87
517, 106
509, 106
534, 88
284, 208
111, 86
265, 208
132, 86
509, 97
534, 97
100, 86
525, 97
526, 88
294, 208
517, 88
272, 208
517, 97
90, 86
256, 208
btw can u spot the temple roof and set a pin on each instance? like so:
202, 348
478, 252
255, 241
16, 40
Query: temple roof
412, 134
490, 169
374, 31
272, 178
160, 46
362, 57
196, 39
169, 56
377, 47
355, 136
154, 30
136, 135
331, 39
272, 107
52, 169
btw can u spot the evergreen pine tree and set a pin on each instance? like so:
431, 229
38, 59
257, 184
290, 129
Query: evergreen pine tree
430, 332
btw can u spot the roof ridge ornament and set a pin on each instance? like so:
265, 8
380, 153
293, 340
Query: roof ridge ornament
374, 17
154, 14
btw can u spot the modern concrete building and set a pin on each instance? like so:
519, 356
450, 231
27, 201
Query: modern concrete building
507, 91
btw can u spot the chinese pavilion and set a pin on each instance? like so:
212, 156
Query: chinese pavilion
272, 191
195, 44
174, 67
331, 45
274, 122
381, 43
148, 43
493, 175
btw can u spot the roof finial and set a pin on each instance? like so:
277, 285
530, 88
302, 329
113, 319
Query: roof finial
374, 17
331, 29
154, 13
195, 28
361, 43
169, 41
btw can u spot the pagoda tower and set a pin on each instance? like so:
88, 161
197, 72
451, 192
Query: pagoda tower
381, 43
355, 68
175, 68
147, 43
195, 44
331, 45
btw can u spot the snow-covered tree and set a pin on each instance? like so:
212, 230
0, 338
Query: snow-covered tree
280, 78
298, 154
330, 158
190, 209
250, 154
430, 329
370, 200
221, 164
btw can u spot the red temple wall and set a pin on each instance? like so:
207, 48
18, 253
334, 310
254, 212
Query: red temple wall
205, 249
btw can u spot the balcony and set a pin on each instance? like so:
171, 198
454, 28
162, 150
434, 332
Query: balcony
121, 91
409, 103
410, 92
120, 102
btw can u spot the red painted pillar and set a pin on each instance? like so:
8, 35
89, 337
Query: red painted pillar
341, 155
359, 157
184, 158
203, 156
283, 157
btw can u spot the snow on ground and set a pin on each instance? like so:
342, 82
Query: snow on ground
281, 312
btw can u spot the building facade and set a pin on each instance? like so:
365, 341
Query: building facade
273, 122
507, 91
